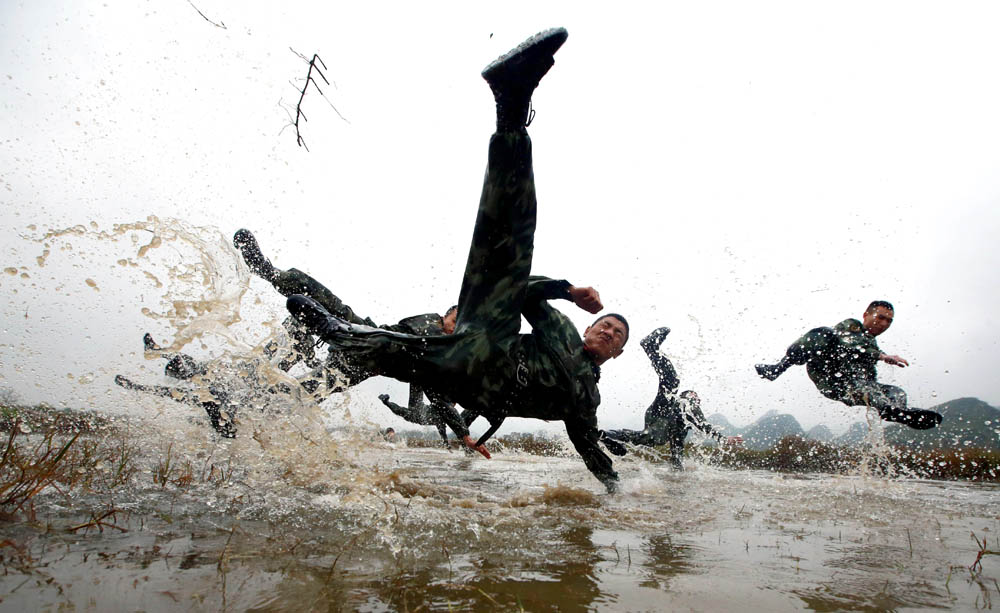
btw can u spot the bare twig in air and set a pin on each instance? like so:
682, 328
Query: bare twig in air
218, 25
314, 66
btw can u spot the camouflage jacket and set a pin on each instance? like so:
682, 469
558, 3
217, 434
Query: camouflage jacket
555, 378
850, 360
441, 410
669, 413
428, 324
675, 414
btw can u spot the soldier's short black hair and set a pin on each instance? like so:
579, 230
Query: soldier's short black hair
620, 318
453, 307
879, 303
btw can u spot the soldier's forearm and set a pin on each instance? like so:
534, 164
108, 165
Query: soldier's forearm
544, 288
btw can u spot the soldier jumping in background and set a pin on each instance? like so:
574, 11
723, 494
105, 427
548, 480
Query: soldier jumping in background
670, 417
486, 365
841, 363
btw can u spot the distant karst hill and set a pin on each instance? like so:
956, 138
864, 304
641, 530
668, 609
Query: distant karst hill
722, 424
820, 433
968, 422
770, 429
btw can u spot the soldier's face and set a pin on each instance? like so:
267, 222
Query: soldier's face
448, 321
877, 320
604, 340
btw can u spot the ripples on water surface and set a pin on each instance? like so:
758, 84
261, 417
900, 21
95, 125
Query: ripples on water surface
395, 528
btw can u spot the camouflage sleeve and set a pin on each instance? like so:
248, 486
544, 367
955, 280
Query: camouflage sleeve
584, 437
543, 318
544, 288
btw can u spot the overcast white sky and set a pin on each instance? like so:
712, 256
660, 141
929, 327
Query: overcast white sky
741, 172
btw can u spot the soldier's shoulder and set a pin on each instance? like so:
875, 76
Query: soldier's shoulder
849, 325
426, 323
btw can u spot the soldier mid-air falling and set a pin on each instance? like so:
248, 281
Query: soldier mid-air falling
342, 371
841, 363
486, 365
221, 392
671, 416
418, 412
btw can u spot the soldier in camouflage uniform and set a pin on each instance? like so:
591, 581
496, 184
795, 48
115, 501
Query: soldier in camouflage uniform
342, 371
215, 401
670, 417
841, 363
420, 413
486, 365
222, 390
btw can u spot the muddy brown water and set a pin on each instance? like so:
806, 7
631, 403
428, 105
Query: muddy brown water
351, 525
302, 512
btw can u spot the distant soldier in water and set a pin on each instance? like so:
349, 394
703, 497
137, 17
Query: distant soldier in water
343, 372
486, 365
418, 412
671, 416
841, 363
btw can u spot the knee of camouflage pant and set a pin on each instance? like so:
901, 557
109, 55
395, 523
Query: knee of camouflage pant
895, 396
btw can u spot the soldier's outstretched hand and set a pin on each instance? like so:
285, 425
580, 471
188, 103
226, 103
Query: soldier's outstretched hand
471, 444
587, 298
895, 360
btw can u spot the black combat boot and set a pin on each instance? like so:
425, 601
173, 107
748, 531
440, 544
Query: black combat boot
918, 419
149, 344
514, 76
773, 371
654, 339
259, 265
313, 316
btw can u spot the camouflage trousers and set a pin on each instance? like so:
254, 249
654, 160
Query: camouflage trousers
294, 281
341, 371
473, 366
888, 400
417, 412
